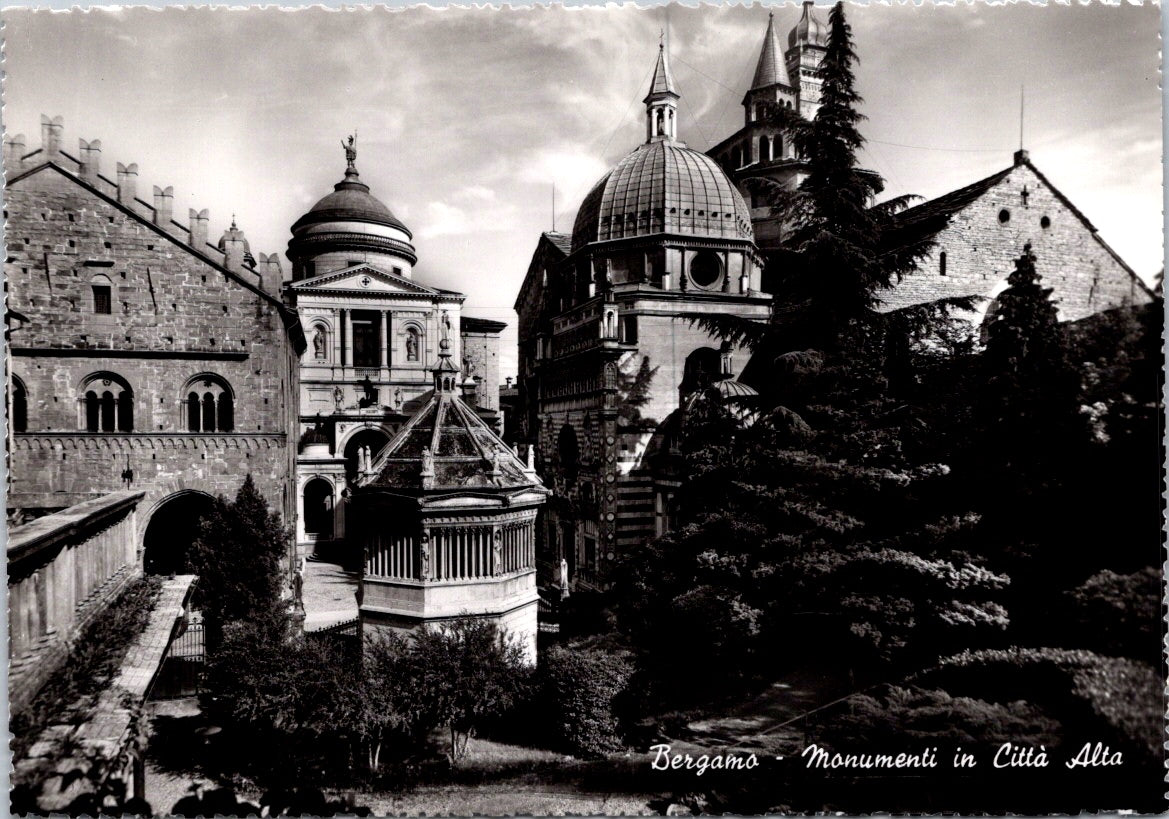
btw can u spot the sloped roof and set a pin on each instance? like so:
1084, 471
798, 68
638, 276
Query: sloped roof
465, 452
924, 220
663, 80
770, 69
560, 241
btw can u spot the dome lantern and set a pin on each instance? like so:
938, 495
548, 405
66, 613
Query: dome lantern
661, 103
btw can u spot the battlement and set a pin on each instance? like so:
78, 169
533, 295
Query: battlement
232, 251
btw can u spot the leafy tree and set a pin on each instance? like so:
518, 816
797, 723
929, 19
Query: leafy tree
458, 676
579, 692
635, 394
237, 556
1119, 614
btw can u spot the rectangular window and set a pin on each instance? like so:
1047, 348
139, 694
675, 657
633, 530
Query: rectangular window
629, 329
102, 301
366, 329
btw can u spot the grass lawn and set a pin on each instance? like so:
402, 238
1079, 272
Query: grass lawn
497, 778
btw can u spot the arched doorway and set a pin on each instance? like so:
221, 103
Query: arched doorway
375, 439
173, 527
318, 509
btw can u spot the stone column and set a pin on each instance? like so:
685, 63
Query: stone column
385, 340
335, 358
348, 362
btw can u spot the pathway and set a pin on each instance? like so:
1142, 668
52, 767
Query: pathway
329, 595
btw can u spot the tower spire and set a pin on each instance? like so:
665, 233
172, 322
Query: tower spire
770, 70
661, 103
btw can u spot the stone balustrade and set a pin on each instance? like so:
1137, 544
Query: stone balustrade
62, 570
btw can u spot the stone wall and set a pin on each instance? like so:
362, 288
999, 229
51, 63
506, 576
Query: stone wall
177, 320
982, 241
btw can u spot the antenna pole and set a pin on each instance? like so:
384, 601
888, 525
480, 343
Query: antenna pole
1022, 100
553, 207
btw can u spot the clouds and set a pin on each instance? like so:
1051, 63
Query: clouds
466, 118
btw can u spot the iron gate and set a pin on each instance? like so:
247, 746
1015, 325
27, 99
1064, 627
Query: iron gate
182, 670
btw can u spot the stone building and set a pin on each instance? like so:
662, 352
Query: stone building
446, 516
607, 351
372, 330
141, 356
979, 230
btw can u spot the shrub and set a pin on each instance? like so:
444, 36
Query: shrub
578, 694
1111, 699
1119, 614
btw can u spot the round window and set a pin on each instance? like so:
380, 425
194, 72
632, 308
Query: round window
1045, 223
1004, 216
705, 269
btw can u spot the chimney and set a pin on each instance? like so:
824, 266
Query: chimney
271, 276
127, 183
199, 221
51, 130
164, 205
90, 159
14, 151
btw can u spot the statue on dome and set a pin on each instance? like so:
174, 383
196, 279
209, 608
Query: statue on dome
350, 149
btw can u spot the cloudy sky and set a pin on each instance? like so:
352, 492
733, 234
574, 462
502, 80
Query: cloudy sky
466, 118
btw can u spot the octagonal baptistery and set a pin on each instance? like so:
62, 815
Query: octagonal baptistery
666, 214
350, 226
447, 518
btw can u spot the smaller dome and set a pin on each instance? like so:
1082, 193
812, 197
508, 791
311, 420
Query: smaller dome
350, 201
729, 388
810, 30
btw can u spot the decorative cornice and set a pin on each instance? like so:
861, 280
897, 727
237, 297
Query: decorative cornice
99, 352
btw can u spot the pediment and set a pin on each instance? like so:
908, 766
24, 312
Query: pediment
363, 278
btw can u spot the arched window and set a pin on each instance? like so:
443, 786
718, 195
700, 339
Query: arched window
107, 403
777, 146
18, 414
942, 263
209, 405
102, 291
764, 149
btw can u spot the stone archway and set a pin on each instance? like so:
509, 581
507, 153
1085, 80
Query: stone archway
173, 527
373, 437
318, 509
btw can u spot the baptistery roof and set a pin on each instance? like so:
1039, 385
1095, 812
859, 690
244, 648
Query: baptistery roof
662, 187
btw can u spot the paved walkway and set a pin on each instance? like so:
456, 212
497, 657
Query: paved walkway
329, 595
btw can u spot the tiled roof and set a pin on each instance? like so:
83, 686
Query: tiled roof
662, 187
926, 219
770, 70
560, 241
663, 80
464, 450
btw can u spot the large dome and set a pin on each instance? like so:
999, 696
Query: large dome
350, 201
662, 187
